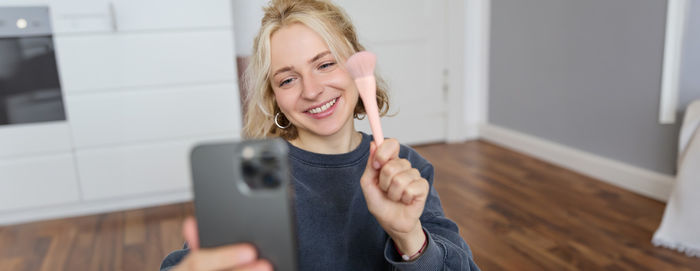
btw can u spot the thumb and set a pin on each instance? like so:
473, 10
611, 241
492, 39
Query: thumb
370, 173
369, 182
189, 231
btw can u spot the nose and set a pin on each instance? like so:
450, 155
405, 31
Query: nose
312, 87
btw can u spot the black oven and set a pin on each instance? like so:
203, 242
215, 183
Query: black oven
30, 90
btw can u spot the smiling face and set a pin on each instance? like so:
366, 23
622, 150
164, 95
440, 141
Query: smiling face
313, 90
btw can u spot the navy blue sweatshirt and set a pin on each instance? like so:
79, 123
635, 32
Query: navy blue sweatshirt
336, 231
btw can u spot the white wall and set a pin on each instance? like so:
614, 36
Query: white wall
690, 66
567, 87
247, 15
476, 59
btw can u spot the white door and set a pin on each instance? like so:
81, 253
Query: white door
408, 37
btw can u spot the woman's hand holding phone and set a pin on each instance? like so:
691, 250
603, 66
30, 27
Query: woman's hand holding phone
237, 257
395, 193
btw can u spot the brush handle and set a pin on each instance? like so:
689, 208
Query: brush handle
367, 86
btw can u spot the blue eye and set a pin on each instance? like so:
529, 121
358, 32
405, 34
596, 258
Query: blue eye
286, 82
326, 65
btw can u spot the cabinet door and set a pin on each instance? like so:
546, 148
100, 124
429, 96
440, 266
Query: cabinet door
34, 139
80, 16
23, 3
94, 16
138, 169
92, 63
37, 181
143, 115
171, 14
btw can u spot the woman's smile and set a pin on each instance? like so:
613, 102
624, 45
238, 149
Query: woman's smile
324, 110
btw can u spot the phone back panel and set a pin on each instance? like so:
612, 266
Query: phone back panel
228, 211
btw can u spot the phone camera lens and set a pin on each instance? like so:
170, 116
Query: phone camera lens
248, 169
270, 181
268, 158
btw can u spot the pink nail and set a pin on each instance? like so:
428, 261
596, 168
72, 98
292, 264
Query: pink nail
376, 165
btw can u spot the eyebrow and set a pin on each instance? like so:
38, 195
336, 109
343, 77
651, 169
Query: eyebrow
319, 56
314, 59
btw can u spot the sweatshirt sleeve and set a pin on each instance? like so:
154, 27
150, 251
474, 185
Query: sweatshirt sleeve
446, 250
174, 258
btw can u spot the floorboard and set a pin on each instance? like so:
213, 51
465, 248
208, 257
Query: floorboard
516, 213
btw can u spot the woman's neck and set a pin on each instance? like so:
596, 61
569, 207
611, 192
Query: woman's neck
341, 142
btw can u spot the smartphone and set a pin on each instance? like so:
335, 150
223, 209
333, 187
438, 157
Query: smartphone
243, 193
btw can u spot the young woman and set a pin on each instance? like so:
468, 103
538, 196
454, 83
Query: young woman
358, 206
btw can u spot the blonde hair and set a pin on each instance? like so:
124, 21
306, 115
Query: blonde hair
334, 27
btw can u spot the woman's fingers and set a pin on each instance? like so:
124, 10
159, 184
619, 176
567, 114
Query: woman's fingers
415, 190
189, 231
407, 198
401, 182
231, 257
259, 265
386, 152
405, 186
390, 170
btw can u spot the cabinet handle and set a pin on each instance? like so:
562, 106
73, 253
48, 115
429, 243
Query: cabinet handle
113, 17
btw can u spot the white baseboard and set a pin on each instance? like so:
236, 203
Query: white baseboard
466, 132
93, 207
472, 132
642, 181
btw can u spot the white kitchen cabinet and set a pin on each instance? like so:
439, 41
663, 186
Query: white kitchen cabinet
142, 83
96, 16
37, 181
23, 3
36, 139
153, 114
139, 169
111, 62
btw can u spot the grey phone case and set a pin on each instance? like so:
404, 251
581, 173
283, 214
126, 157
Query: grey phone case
228, 211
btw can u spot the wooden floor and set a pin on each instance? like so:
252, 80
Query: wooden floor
516, 213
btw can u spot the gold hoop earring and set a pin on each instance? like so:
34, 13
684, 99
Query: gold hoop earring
278, 124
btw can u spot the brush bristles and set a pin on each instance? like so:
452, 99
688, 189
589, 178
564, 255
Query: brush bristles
361, 64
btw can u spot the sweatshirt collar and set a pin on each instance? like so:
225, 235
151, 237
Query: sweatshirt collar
359, 154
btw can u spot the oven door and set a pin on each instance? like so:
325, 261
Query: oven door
32, 113
30, 90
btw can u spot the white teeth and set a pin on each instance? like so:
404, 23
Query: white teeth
322, 108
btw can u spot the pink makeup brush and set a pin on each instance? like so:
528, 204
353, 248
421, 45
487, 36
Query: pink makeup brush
361, 68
